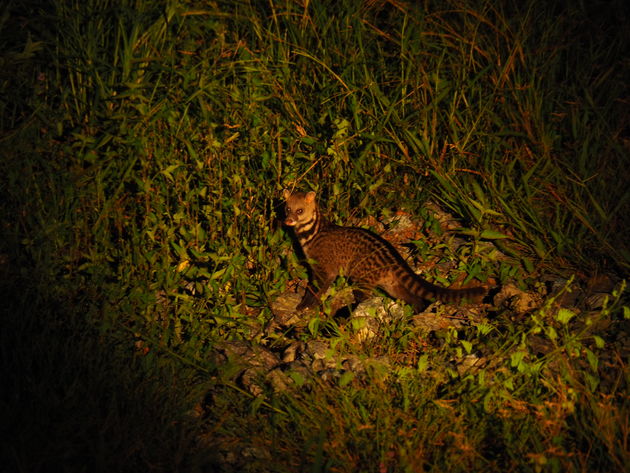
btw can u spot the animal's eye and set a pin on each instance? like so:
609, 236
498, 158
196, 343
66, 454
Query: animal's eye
288, 210
299, 211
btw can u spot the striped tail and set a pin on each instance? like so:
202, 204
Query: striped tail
416, 291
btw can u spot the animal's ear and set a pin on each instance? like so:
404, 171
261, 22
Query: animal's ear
286, 193
310, 197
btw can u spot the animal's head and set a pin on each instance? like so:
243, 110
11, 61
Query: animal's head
300, 207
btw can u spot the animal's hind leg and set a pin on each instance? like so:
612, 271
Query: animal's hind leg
361, 293
399, 291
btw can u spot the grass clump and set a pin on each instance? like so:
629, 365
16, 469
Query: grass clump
144, 147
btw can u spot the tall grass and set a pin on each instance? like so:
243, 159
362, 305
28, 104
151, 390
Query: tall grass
144, 145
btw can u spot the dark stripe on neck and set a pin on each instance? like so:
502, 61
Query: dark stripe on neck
306, 236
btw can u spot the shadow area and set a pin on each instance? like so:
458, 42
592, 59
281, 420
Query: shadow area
75, 400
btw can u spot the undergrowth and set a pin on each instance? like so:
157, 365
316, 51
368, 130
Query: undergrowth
144, 149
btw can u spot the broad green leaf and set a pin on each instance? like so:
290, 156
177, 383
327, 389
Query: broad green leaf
346, 378
564, 315
492, 235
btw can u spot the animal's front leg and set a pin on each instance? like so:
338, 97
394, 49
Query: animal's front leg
310, 298
315, 290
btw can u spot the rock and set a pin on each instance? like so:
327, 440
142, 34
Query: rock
432, 322
253, 363
521, 302
566, 293
278, 380
597, 300
283, 309
370, 315
290, 353
469, 362
601, 283
317, 349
